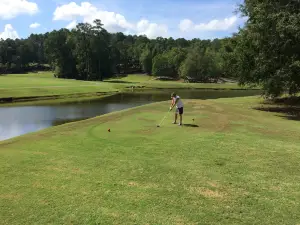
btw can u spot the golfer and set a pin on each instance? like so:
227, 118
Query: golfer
179, 107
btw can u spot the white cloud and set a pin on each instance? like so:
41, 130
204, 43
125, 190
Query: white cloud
34, 25
112, 21
187, 25
71, 25
9, 33
144, 27
71, 11
11, 8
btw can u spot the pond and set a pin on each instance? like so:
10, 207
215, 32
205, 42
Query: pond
19, 120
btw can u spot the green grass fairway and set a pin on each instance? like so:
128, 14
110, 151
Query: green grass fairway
239, 166
150, 82
44, 84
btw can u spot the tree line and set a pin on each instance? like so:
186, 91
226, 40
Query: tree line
265, 52
89, 52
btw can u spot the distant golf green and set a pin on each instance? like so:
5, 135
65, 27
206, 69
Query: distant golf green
229, 164
45, 84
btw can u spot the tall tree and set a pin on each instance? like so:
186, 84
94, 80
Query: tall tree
268, 49
58, 49
89, 52
146, 61
199, 64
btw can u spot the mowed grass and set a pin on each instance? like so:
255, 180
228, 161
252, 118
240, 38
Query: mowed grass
230, 165
44, 84
150, 82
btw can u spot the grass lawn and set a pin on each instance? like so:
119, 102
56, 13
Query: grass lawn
231, 165
150, 82
44, 84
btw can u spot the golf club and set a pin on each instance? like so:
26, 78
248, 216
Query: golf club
163, 119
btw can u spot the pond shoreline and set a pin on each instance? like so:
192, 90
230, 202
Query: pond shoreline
97, 95
11, 100
19, 118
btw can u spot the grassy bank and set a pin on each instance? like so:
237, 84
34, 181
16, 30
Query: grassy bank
230, 165
44, 84
150, 82
36, 86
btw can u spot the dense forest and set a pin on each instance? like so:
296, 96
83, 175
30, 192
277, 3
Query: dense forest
89, 52
265, 52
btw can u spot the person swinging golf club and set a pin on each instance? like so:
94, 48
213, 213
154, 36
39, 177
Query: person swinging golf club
176, 100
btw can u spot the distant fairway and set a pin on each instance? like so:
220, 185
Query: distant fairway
44, 84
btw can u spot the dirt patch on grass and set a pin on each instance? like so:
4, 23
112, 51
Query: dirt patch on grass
182, 221
37, 185
142, 185
275, 188
78, 171
145, 131
10, 196
40, 153
44, 202
66, 170
212, 184
133, 184
208, 193
57, 169
113, 214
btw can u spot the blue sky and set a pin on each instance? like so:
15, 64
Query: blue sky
169, 18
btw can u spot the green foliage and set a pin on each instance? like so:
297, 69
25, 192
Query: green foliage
168, 63
200, 64
58, 48
267, 50
161, 66
176, 56
146, 61
16, 55
89, 52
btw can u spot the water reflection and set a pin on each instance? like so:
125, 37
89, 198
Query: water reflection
19, 120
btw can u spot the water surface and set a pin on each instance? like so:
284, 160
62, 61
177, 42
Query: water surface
19, 120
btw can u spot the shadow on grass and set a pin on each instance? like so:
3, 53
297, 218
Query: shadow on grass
292, 117
118, 81
289, 101
290, 108
190, 125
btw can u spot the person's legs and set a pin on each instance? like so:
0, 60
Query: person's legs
180, 115
175, 117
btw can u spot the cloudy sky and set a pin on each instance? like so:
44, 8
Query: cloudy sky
166, 18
